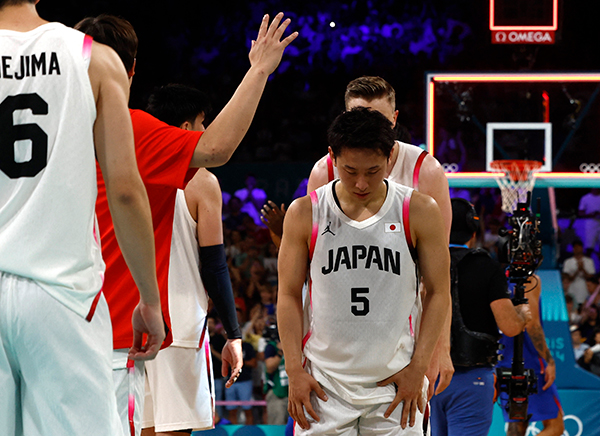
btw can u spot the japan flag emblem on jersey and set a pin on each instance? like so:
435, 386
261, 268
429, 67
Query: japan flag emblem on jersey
393, 228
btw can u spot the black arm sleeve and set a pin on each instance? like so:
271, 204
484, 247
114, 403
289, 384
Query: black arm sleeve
215, 277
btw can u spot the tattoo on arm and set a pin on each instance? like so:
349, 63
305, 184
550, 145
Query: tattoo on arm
539, 342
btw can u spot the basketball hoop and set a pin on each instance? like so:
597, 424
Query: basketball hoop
517, 180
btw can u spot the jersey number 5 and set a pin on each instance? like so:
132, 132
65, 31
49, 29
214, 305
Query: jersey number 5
363, 308
11, 133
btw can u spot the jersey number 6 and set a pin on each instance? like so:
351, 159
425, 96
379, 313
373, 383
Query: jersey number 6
363, 309
11, 133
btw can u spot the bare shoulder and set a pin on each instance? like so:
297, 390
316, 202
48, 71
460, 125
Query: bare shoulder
422, 204
203, 187
298, 217
105, 65
432, 171
300, 208
319, 175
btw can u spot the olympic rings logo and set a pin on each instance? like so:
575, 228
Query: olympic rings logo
590, 167
452, 167
532, 430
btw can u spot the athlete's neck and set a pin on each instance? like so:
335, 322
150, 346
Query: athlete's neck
393, 158
21, 18
357, 209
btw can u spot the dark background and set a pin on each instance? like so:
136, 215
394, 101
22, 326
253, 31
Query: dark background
205, 44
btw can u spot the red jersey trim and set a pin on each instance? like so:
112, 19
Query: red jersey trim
315, 226
406, 223
417, 169
90, 314
330, 174
87, 46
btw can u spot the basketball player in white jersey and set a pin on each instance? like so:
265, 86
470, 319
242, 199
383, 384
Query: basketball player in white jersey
63, 104
180, 391
358, 238
409, 165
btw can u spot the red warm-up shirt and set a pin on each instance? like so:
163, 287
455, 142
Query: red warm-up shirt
163, 156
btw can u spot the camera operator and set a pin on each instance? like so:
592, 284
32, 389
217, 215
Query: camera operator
480, 305
545, 405
276, 386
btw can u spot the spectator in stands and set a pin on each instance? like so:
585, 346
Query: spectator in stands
593, 290
490, 236
252, 198
276, 385
235, 218
589, 322
589, 209
572, 310
270, 263
260, 234
579, 346
234, 247
577, 269
591, 357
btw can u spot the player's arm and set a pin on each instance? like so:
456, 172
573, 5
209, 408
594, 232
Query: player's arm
127, 198
433, 182
509, 318
225, 133
533, 290
319, 175
292, 266
427, 231
203, 193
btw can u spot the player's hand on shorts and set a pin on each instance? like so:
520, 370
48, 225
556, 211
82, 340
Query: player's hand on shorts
409, 389
232, 357
147, 319
301, 384
268, 47
272, 217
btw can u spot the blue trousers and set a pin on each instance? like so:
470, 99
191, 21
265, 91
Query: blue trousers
465, 408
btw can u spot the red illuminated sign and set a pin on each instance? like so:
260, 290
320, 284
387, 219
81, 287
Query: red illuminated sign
522, 37
514, 26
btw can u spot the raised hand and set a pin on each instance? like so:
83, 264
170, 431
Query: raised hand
272, 216
267, 49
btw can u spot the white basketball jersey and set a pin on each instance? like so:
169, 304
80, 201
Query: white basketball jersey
47, 163
188, 301
406, 170
363, 286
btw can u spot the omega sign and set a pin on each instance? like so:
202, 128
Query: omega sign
523, 37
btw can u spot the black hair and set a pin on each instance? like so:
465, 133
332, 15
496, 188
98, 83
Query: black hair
14, 2
361, 128
175, 104
116, 32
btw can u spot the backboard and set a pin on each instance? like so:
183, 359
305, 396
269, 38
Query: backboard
473, 119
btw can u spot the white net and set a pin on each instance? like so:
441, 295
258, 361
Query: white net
517, 181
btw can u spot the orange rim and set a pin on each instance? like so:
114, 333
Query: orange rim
518, 170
